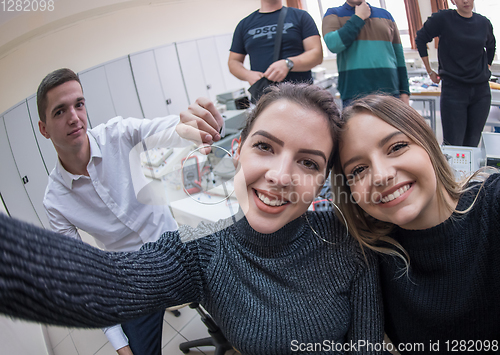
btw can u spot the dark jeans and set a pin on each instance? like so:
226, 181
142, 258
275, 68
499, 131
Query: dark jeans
144, 334
464, 111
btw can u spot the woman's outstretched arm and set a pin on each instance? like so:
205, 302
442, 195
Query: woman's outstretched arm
49, 278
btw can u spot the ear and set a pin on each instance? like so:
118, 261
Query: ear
236, 157
43, 130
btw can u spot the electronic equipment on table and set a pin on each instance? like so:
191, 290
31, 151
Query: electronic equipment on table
463, 160
490, 143
234, 120
153, 161
209, 174
234, 100
206, 187
158, 162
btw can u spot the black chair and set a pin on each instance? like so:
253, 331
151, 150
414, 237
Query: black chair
216, 337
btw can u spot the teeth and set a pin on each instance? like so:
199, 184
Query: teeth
268, 201
395, 194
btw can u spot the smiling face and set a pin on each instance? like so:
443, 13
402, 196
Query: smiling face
282, 164
390, 176
66, 118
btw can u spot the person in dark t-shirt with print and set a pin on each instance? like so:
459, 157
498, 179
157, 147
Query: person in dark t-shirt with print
255, 35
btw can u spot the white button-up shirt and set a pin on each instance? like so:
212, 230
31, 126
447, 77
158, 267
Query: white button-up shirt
105, 203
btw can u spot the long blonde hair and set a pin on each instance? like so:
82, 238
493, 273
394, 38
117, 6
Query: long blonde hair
369, 231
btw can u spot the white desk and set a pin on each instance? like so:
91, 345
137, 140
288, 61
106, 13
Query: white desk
495, 97
430, 102
202, 207
189, 211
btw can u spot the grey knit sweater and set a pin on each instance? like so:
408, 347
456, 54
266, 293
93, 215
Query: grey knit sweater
451, 294
281, 293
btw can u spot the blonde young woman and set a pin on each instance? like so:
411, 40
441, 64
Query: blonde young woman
439, 239
271, 284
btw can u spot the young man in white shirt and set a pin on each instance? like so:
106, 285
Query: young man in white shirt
91, 188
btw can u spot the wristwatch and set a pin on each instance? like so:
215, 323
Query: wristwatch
289, 64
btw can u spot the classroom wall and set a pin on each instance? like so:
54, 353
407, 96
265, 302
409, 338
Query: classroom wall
82, 34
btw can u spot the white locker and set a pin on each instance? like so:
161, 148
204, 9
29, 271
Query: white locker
47, 150
159, 81
13, 193
211, 64
98, 99
171, 79
148, 84
192, 71
122, 88
30, 168
223, 44
110, 91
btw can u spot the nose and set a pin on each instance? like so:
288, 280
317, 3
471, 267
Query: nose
73, 116
382, 172
280, 174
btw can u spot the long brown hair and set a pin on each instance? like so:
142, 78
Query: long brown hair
369, 231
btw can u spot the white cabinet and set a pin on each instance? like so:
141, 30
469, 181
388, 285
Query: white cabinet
223, 44
97, 96
201, 68
159, 81
192, 71
109, 91
122, 88
47, 150
23, 177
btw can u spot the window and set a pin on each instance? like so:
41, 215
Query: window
491, 10
398, 11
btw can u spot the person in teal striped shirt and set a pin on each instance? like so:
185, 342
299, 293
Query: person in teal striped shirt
370, 56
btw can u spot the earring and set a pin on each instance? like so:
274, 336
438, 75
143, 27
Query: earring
342, 214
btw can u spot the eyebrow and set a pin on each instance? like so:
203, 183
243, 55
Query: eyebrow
60, 106
388, 138
281, 144
314, 152
269, 136
382, 142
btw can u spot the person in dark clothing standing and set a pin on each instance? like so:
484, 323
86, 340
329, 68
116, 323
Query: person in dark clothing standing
255, 36
466, 50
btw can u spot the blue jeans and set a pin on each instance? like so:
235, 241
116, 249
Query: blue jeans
464, 111
144, 334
